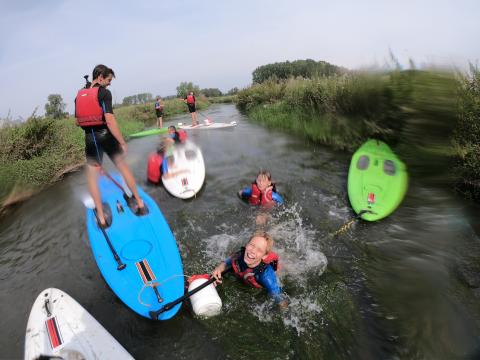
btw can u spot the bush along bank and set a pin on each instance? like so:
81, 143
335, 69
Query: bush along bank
467, 135
40, 151
414, 111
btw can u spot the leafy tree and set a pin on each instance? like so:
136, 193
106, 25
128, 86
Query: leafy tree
232, 91
186, 87
55, 108
211, 92
142, 98
306, 69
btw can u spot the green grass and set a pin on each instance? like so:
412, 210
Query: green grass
431, 118
39, 151
412, 110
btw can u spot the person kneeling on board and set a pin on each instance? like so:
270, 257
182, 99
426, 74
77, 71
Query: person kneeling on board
176, 136
158, 162
256, 265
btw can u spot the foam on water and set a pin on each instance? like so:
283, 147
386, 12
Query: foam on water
304, 314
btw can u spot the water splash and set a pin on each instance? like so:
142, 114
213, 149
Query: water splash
304, 314
301, 258
297, 245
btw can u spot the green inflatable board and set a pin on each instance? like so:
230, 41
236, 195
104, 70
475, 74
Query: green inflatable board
156, 131
377, 180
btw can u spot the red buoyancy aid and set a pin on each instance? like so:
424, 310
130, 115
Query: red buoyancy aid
261, 197
153, 170
182, 135
87, 109
248, 275
190, 99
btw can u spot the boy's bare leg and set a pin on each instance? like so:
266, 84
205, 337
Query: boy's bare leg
129, 179
92, 175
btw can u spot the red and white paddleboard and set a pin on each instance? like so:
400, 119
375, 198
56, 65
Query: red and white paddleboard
59, 326
207, 125
186, 170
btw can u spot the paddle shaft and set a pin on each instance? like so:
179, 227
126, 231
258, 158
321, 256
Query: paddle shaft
120, 264
204, 115
115, 182
166, 307
159, 298
128, 198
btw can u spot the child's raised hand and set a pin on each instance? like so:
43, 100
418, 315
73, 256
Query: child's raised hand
217, 273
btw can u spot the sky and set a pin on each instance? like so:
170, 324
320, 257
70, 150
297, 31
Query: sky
47, 46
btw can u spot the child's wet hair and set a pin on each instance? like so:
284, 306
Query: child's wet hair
172, 127
265, 173
266, 236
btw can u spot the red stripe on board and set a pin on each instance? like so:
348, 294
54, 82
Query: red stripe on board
53, 332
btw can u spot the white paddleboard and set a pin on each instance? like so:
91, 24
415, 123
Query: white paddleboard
59, 326
186, 170
207, 126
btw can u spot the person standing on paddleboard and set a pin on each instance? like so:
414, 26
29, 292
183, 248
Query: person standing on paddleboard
94, 113
190, 101
159, 112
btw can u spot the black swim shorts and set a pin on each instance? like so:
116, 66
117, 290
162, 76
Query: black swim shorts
191, 107
99, 141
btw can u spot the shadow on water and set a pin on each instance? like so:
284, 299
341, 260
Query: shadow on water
403, 287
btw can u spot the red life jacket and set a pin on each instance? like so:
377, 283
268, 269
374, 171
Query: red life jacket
190, 99
182, 135
261, 197
248, 275
87, 109
154, 165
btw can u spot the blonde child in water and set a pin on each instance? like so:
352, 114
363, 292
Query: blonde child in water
256, 265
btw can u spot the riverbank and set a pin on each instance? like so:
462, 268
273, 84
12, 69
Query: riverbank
40, 151
430, 118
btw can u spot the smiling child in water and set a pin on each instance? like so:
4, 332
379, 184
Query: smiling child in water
256, 265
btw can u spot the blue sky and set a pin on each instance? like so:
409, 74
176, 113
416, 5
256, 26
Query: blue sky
47, 46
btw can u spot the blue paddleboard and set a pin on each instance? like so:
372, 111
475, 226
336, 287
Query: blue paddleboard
145, 244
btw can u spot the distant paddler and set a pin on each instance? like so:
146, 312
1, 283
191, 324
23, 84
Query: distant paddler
191, 103
159, 111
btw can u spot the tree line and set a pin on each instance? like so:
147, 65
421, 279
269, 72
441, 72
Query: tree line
55, 107
137, 99
306, 69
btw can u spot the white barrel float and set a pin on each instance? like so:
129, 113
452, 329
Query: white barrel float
206, 302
